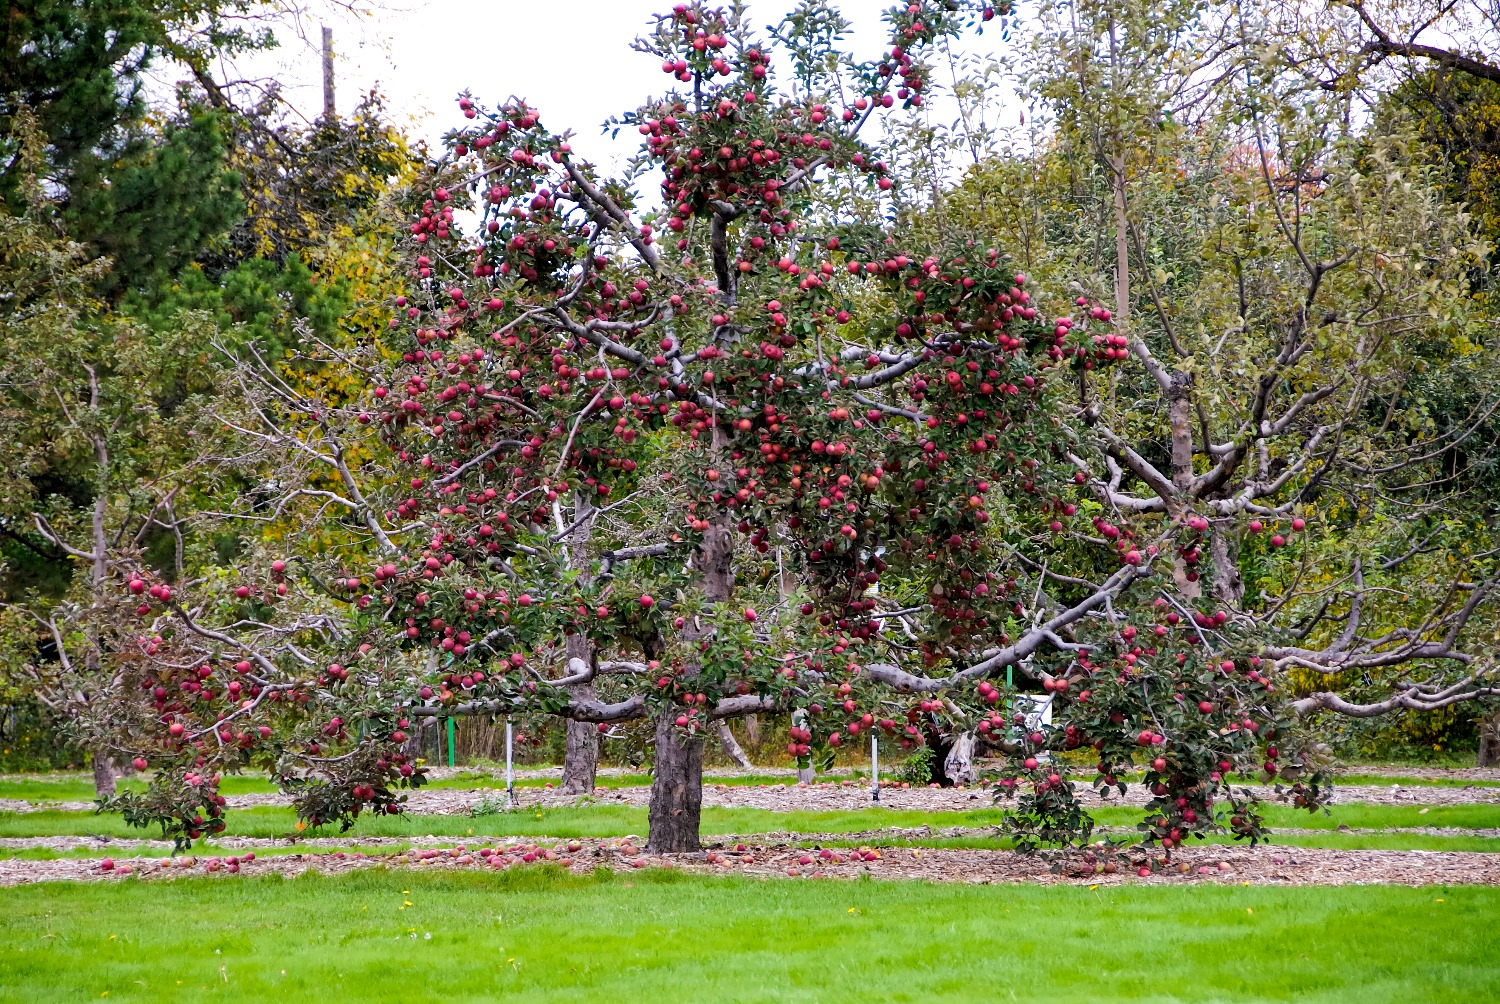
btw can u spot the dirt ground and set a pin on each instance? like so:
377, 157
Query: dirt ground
1266, 865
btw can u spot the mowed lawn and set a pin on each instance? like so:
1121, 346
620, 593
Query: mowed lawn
77, 786
541, 935
612, 820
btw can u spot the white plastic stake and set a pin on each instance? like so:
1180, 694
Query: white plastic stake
875, 766
510, 774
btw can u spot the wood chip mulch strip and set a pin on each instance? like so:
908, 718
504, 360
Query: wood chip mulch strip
1216, 864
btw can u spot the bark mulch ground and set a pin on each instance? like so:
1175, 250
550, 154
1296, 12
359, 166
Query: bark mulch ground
1214, 864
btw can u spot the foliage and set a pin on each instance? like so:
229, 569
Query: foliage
80, 69
311, 186
1458, 116
153, 209
128, 246
29, 740
1176, 420
916, 768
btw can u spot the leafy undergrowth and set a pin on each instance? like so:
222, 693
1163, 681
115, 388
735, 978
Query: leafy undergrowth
539, 935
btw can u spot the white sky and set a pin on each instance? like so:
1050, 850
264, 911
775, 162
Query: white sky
569, 58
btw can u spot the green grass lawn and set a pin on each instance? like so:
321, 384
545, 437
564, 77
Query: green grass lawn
581, 821
538, 935
1333, 841
1385, 781
78, 786
606, 820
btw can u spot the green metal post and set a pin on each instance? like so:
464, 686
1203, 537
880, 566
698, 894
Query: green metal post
450, 742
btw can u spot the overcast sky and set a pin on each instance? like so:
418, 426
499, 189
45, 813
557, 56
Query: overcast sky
570, 58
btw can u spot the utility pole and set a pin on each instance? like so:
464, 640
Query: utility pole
329, 110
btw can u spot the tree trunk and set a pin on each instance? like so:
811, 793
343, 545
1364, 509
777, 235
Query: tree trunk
329, 108
676, 790
581, 761
581, 754
1229, 587
958, 765
581, 757
752, 731
731, 748
1489, 742
417, 742
104, 775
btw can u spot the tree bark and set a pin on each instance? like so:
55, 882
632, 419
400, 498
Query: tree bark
104, 775
677, 785
676, 790
1229, 587
958, 765
731, 748
329, 108
1122, 248
581, 757
937, 767
752, 731
581, 754
418, 742
1489, 742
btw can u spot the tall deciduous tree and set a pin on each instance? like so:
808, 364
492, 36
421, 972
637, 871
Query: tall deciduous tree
97, 417
1294, 292
150, 200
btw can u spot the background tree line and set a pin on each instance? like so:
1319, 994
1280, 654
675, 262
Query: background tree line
135, 236
135, 228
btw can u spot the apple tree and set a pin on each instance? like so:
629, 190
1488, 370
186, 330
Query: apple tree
769, 448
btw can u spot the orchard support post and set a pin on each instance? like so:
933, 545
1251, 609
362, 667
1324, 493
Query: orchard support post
874, 767
452, 731
510, 773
